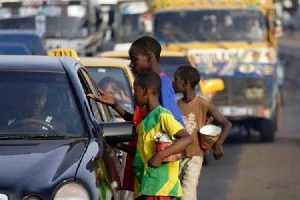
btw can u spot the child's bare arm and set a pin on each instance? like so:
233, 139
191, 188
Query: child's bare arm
226, 126
109, 100
183, 139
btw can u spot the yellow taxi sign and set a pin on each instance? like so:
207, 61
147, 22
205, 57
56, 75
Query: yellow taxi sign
63, 52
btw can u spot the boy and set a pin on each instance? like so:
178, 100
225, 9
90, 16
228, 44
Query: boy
144, 54
196, 111
154, 179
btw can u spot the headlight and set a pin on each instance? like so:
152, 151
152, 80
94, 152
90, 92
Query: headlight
32, 197
254, 93
71, 191
268, 70
247, 68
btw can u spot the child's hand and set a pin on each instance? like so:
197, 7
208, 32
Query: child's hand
103, 98
155, 161
218, 151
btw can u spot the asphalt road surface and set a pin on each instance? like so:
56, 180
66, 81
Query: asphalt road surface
251, 170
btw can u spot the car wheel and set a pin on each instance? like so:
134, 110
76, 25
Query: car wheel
267, 130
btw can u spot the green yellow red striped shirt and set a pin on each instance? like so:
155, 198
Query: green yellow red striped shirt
161, 181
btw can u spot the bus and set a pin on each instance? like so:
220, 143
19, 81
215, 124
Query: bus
63, 23
232, 40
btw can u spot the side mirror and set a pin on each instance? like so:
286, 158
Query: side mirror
211, 85
116, 132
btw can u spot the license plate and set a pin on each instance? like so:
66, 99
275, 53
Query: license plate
236, 111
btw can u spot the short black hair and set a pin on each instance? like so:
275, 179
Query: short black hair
148, 45
149, 80
189, 73
105, 81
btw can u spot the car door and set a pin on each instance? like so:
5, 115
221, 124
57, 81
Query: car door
109, 166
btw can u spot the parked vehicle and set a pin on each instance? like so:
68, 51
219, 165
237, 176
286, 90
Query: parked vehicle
13, 42
117, 72
169, 61
132, 20
63, 24
54, 141
235, 41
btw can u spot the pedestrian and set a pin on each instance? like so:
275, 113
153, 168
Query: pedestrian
155, 179
144, 54
196, 112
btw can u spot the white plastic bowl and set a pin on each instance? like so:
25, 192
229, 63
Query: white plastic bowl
210, 130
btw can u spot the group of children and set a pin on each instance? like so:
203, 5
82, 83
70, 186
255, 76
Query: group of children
156, 112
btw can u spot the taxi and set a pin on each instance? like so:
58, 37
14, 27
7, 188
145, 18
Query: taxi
169, 61
112, 75
54, 140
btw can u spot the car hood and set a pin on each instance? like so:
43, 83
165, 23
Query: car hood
28, 163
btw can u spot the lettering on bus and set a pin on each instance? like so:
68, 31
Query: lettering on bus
198, 4
213, 57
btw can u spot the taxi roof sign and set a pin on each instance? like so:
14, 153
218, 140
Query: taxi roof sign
63, 52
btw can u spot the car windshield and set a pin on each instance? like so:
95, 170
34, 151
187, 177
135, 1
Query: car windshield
114, 81
130, 28
65, 27
188, 26
67, 21
55, 21
5, 12
14, 49
170, 64
133, 21
38, 104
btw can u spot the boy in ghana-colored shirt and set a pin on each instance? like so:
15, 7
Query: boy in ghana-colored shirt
196, 111
156, 180
144, 54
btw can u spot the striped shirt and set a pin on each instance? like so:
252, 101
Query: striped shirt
161, 181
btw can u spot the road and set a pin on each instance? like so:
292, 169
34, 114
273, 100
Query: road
251, 170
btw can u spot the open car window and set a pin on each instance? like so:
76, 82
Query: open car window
114, 81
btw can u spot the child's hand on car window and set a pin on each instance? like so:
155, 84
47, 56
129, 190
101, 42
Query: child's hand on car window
103, 98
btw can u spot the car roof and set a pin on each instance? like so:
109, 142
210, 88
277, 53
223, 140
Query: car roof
20, 32
33, 63
31, 38
164, 53
14, 48
107, 62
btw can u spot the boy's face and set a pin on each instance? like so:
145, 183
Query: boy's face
140, 95
178, 83
139, 62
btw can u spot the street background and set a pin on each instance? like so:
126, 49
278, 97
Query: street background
251, 170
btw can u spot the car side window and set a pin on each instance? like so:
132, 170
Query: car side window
100, 111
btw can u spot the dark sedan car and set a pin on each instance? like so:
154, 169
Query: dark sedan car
54, 141
21, 43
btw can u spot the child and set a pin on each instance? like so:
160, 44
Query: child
196, 111
154, 179
144, 54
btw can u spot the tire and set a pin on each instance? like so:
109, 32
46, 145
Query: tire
267, 130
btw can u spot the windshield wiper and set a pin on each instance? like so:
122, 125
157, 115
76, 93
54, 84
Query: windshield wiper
19, 137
